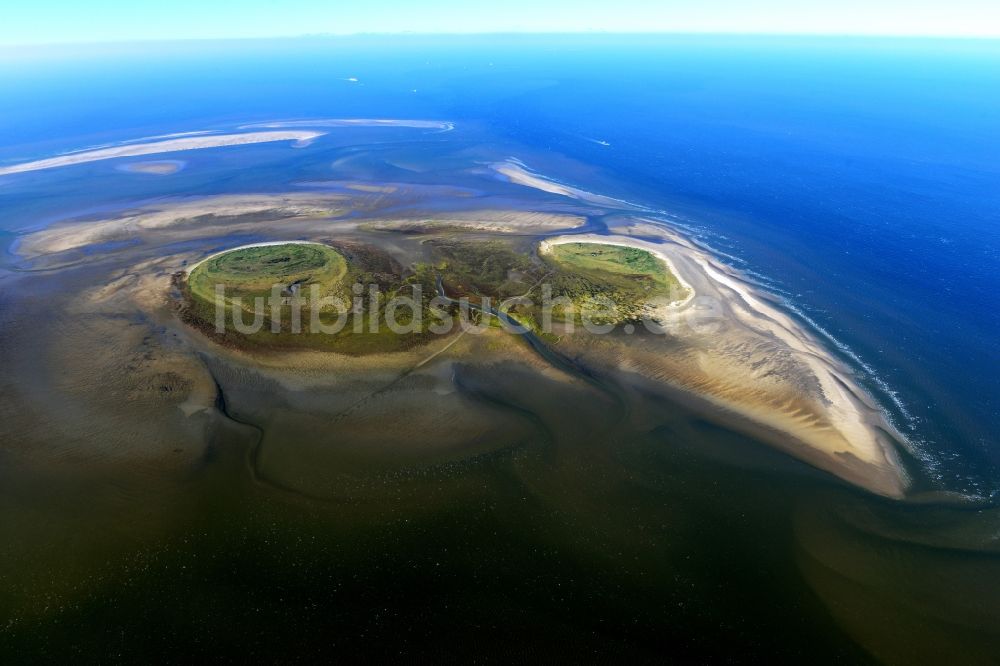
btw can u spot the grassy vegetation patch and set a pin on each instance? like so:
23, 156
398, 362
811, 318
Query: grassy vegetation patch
249, 275
628, 268
606, 283
611, 283
477, 268
252, 271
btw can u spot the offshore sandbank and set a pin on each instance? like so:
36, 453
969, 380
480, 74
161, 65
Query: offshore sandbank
301, 138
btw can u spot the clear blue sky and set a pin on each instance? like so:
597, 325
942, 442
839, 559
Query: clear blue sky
67, 21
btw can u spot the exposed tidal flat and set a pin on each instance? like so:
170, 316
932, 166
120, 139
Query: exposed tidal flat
788, 386
641, 486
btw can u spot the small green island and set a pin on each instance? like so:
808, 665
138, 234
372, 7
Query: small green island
613, 283
252, 271
630, 269
266, 289
263, 284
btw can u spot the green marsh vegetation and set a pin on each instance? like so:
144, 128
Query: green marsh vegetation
610, 284
484, 268
361, 278
613, 283
250, 272
629, 270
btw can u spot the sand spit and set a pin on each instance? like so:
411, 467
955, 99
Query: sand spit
203, 215
357, 122
763, 366
200, 213
492, 221
516, 172
301, 139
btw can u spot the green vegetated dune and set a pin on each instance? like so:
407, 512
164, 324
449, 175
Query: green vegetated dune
610, 284
629, 269
299, 270
253, 271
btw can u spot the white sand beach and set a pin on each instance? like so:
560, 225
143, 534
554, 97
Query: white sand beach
764, 366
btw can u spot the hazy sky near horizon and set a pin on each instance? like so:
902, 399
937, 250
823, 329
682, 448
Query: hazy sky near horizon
72, 21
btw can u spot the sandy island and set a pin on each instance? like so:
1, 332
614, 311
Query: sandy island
192, 266
205, 213
516, 172
301, 138
357, 122
299, 212
661, 311
766, 367
759, 365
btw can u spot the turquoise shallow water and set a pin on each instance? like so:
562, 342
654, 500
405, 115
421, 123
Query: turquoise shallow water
856, 179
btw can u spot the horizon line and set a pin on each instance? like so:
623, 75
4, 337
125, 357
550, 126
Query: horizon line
512, 33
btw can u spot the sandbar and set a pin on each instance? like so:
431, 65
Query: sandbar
300, 137
357, 122
767, 368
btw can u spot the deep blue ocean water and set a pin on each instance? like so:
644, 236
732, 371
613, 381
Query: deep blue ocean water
859, 179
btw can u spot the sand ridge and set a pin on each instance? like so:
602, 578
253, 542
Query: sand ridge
816, 401
300, 137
